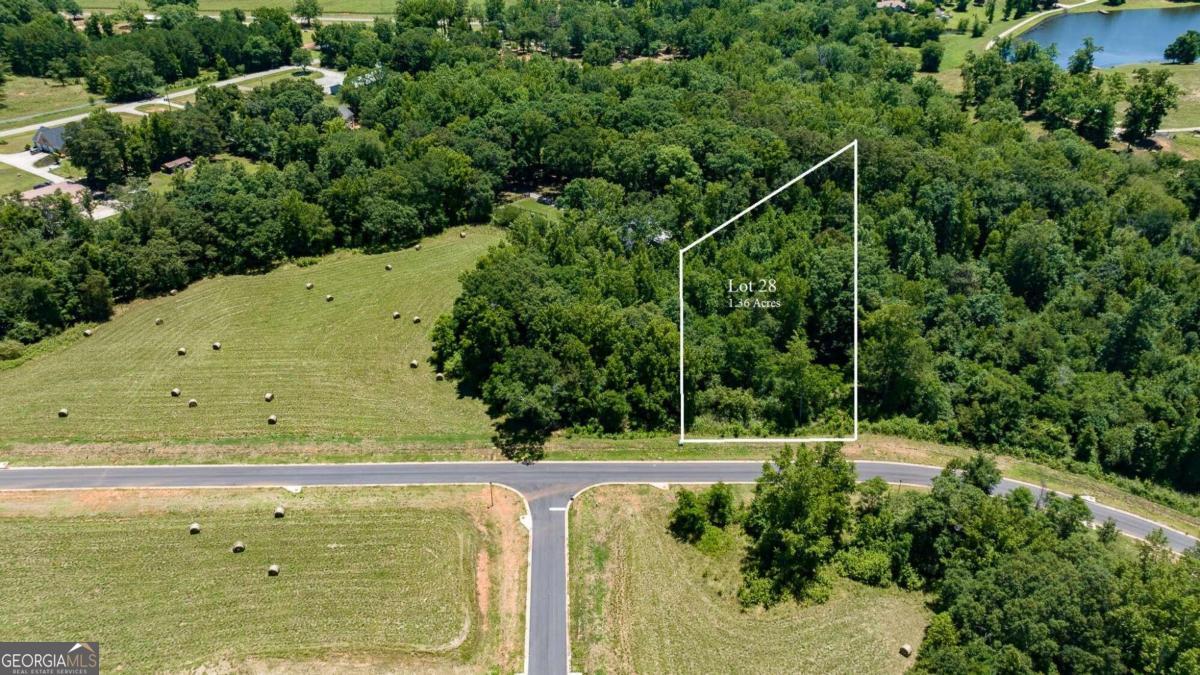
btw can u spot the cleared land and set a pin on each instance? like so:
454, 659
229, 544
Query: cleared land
410, 579
643, 602
337, 369
28, 100
1188, 79
13, 179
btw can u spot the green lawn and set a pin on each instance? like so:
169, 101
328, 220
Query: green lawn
30, 99
530, 205
402, 578
641, 602
1188, 79
13, 179
337, 369
256, 82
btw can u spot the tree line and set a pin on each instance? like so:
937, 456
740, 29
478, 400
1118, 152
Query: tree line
1019, 583
123, 57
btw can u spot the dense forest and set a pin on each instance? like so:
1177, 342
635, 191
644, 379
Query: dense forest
1035, 292
1018, 582
123, 57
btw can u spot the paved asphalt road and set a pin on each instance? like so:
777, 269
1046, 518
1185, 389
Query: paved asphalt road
548, 488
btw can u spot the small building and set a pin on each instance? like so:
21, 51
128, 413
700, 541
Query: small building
48, 139
177, 164
335, 89
893, 5
73, 190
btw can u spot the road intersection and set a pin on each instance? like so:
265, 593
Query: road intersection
548, 489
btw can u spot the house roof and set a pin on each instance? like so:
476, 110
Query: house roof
70, 189
49, 137
177, 162
891, 4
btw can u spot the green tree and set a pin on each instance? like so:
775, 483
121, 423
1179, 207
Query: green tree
96, 144
129, 76
688, 518
1084, 58
931, 56
1184, 49
719, 505
307, 10
1151, 97
801, 509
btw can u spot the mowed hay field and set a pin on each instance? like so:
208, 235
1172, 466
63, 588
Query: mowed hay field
641, 602
395, 579
338, 370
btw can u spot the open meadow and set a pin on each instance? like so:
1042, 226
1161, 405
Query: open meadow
642, 602
412, 579
338, 369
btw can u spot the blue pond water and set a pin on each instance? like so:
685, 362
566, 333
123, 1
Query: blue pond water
1131, 36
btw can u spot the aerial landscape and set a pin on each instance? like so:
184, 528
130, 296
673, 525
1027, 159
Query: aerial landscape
550, 337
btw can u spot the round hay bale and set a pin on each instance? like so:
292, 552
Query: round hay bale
906, 650
462, 235
87, 333
216, 346
182, 351
194, 528
417, 247
63, 412
268, 397
175, 392
413, 363
173, 292
416, 319
192, 403
329, 298
238, 547
309, 285
278, 511
395, 315
272, 420
273, 571
158, 322
388, 267
439, 377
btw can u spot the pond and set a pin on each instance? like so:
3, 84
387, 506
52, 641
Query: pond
1131, 36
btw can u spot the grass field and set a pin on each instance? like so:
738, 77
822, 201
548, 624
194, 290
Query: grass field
530, 205
404, 579
28, 99
338, 369
1188, 79
641, 602
256, 82
13, 179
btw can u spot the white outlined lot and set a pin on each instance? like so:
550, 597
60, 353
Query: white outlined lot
852, 147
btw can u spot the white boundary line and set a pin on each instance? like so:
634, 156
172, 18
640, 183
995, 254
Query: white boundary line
853, 145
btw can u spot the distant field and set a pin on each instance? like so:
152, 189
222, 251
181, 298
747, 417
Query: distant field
409, 579
29, 99
338, 369
13, 179
530, 205
642, 602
